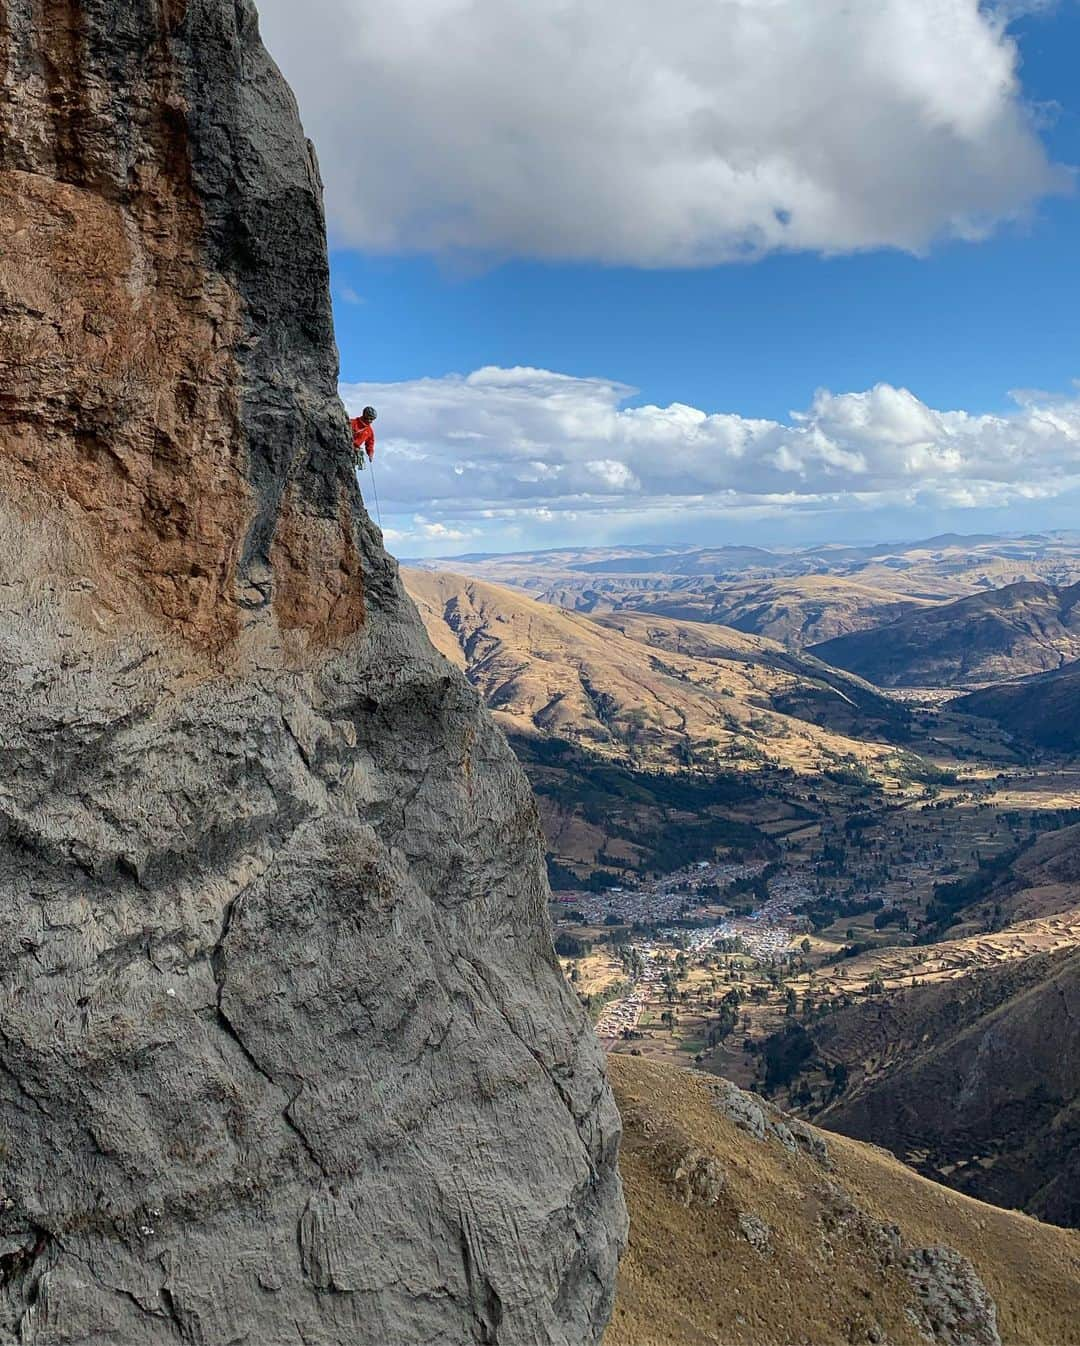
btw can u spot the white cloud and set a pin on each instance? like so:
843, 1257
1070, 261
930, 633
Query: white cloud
465, 455
439, 532
689, 133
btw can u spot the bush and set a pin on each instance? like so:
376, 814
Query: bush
917, 770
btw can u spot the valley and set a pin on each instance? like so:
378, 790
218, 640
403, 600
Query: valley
842, 914
782, 873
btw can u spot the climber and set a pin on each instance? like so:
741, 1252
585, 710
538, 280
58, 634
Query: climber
363, 436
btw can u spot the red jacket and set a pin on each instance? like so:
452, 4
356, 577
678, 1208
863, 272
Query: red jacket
363, 437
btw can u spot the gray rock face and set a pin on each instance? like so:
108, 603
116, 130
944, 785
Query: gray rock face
755, 1231
744, 1109
285, 1054
954, 1308
764, 1121
950, 1305
698, 1179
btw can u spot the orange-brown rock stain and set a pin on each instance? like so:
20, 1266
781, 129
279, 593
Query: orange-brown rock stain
119, 395
116, 343
318, 576
119, 382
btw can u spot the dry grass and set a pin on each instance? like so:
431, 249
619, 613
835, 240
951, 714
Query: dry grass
597, 972
691, 1278
640, 690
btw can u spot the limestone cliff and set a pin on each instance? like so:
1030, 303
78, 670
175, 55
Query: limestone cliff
284, 1052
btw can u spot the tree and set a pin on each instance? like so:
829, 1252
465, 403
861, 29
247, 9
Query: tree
569, 946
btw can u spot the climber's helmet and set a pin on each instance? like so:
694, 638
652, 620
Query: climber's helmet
370, 414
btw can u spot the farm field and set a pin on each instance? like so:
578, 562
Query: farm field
702, 965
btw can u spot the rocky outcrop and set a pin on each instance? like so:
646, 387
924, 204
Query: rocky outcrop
953, 1306
762, 1120
285, 1055
753, 1229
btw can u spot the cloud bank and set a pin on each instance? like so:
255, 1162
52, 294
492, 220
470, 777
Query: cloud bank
503, 453
683, 134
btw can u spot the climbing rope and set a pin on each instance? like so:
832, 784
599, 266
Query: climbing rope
375, 489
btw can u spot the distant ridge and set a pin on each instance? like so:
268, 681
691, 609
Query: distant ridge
1043, 710
1021, 629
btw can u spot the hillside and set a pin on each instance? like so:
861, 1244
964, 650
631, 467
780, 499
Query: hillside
976, 1081
656, 692
797, 684
989, 637
799, 612
1043, 710
750, 1230
963, 1062
653, 743
1044, 879
793, 612
1041, 880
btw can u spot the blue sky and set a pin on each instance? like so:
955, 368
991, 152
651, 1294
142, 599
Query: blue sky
667, 358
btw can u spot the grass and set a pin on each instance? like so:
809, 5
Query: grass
690, 1278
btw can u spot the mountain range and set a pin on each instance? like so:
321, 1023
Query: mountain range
937, 569
994, 636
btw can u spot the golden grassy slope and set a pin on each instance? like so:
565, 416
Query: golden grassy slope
657, 691
830, 1275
